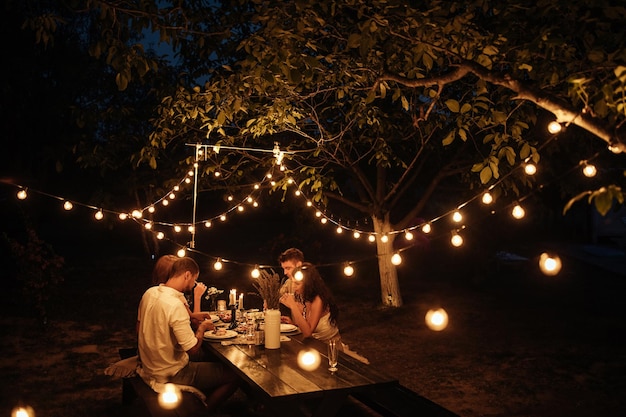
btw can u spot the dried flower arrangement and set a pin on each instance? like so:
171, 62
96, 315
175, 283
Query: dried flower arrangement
268, 286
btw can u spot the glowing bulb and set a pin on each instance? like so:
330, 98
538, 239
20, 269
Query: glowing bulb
309, 204
170, 398
181, 252
427, 228
371, 238
191, 229
177, 228
550, 265
217, 173
309, 359
123, 216
255, 272
68, 205
518, 212
165, 202
25, 411
187, 181
136, 214
176, 187
530, 169
257, 186
590, 171
487, 198
148, 225
396, 259
160, 235
230, 198
554, 127
356, 235
297, 193
339, 230
223, 217
298, 275
324, 220
240, 208
99, 215
190, 173
207, 224
151, 209
21, 194
255, 204
384, 238
457, 217
456, 240
172, 196
348, 270
437, 320
249, 199
318, 214
408, 235
218, 265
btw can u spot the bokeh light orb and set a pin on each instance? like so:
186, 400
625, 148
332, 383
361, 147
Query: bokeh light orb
550, 265
518, 212
456, 240
255, 273
590, 171
396, 259
21, 194
309, 359
487, 198
437, 319
298, 275
23, 411
348, 270
170, 398
554, 127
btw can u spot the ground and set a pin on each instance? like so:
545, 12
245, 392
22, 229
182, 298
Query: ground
518, 343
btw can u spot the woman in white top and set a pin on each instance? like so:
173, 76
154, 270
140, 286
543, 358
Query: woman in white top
313, 307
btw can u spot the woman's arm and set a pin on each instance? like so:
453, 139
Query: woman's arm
313, 315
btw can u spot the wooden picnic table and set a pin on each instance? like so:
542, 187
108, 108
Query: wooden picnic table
275, 378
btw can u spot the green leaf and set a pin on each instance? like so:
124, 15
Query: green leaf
448, 139
453, 105
405, 103
485, 175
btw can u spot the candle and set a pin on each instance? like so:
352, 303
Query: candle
232, 298
241, 301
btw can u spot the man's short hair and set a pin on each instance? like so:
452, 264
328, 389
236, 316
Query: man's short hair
291, 254
183, 265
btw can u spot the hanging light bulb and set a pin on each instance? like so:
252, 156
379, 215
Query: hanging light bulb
172, 196
99, 215
217, 173
240, 208
191, 229
348, 270
23, 411
550, 265
160, 235
318, 214
177, 228
487, 198
230, 198
187, 181
589, 170
457, 217
518, 212
123, 216
21, 194
171, 397
165, 202
530, 169
456, 240
356, 234
151, 209
148, 225
207, 224
437, 320
408, 235
371, 238
255, 272
297, 193
218, 265
136, 214
309, 359
223, 217
68, 205
427, 228
181, 253
396, 259
554, 127
384, 238
298, 275
309, 204
339, 230
324, 220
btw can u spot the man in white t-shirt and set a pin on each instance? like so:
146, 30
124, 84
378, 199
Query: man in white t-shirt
166, 339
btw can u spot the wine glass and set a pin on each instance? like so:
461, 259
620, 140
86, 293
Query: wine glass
333, 352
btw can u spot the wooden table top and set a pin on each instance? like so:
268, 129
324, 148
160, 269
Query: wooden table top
274, 374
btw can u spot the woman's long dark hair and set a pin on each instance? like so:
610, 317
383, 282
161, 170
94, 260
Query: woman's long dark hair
314, 285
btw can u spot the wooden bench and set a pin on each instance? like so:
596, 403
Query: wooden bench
144, 401
399, 401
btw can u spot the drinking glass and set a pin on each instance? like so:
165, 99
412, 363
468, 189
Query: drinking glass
333, 352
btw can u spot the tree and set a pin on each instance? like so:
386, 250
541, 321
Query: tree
377, 105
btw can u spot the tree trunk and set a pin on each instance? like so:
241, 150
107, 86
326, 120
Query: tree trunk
389, 287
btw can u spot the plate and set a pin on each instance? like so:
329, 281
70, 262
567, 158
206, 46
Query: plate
212, 336
286, 328
214, 317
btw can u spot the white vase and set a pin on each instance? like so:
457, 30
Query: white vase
272, 329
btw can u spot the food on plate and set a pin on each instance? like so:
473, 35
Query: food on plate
225, 316
219, 331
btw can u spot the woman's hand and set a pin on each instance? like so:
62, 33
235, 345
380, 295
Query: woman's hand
288, 300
